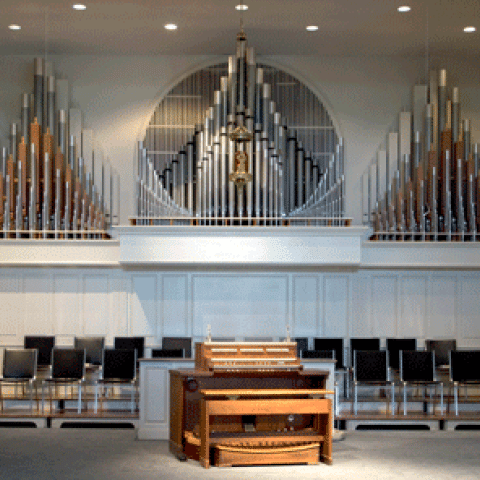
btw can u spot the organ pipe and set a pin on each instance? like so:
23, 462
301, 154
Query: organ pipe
43, 193
286, 183
439, 201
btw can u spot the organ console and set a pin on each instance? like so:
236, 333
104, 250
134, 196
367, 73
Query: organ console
45, 188
425, 185
249, 403
198, 183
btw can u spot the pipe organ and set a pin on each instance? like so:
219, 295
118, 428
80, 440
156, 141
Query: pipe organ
424, 186
184, 165
47, 188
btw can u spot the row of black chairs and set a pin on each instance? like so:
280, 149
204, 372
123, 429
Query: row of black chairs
68, 367
417, 369
94, 346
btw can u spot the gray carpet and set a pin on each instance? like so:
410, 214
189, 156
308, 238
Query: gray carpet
47, 454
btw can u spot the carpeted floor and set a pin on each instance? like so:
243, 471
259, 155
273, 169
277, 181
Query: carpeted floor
48, 454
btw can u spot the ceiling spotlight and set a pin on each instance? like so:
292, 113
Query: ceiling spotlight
312, 28
241, 7
79, 6
14, 27
404, 8
469, 29
170, 26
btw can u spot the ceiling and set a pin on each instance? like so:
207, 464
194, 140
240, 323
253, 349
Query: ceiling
346, 27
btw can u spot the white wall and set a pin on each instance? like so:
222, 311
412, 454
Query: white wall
118, 94
108, 302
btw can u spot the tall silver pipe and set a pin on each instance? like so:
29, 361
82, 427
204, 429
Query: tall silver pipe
447, 197
32, 215
275, 186
417, 157
224, 101
205, 178
181, 177
217, 112
190, 160
223, 170
459, 202
4, 162
6, 215
18, 210
442, 102
265, 164
292, 162
216, 176
26, 117
271, 121
50, 121
57, 203
258, 170
210, 180
13, 143
266, 107
300, 175
466, 140
62, 133
46, 197
38, 90
271, 179
251, 80
174, 192
428, 131
472, 223
433, 205
281, 166
259, 97
68, 213
71, 152
455, 115
241, 69
232, 80
249, 148
231, 166
476, 156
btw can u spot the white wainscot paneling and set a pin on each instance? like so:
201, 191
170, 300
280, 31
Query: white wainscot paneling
360, 325
411, 322
469, 327
305, 306
441, 314
175, 306
118, 307
95, 304
336, 306
12, 305
384, 305
66, 304
38, 305
143, 312
240, 305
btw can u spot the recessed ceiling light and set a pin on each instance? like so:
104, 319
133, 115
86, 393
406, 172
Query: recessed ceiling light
312, 28
241, 6
404, 8
14, 27
469, 29
79, 6
171, 26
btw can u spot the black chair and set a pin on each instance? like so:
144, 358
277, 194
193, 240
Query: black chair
19, 368
394, 345
68, 368
174, 343
318, 354
464, 370
417, 369
93, 348
370, 369
131, 343
44, 345
335, 344
119, 368
302, 344
162, 353
363, 344
442, 349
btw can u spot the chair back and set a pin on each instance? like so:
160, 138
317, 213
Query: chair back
19, 363
44, 345
394, 345
119, 364
162, 353
363, 344
318, 354
331, 344
68, 363
442, 349
93, 348
370, 366
302, 345
131, 343
417, 366
174, 343
465, 365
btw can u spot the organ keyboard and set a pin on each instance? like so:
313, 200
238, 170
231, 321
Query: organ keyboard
249, 403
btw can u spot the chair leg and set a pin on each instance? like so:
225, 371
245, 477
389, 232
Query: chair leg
337, 401
1, 396
79, 409
30, 384
393, 399
95, 405
404, 398
355, 408
132, 408
441, 398
455, 397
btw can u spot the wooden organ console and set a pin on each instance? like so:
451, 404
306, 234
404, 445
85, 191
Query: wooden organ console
250, 403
